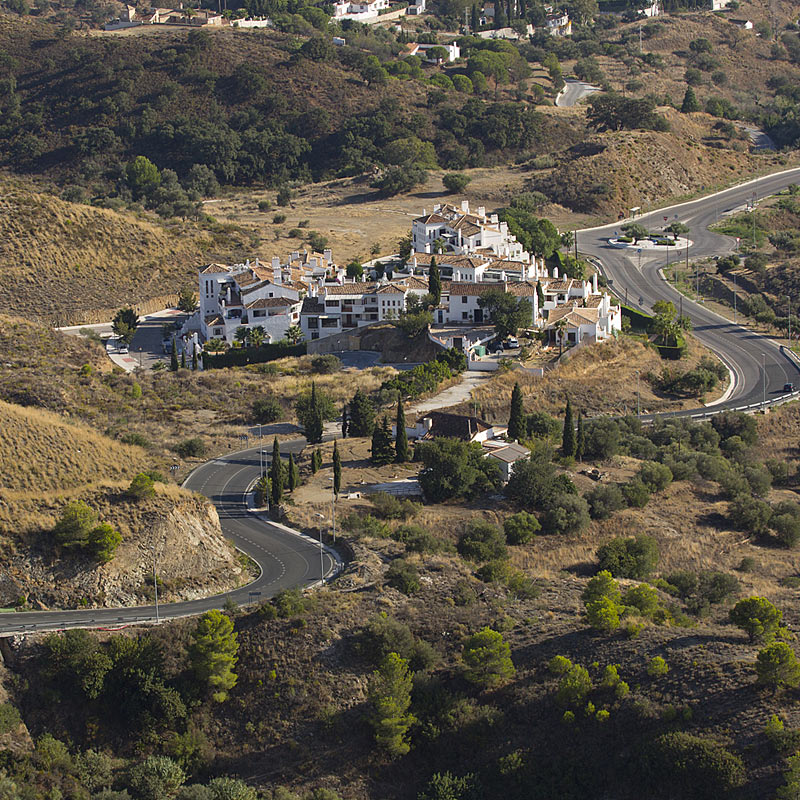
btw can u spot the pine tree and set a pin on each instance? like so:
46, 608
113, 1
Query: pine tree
390, 698
580, 441
690, 101
516, 421
401, 437
173, 359
337, 469
213, 653
568, 437
435, 282
382, 446
362, 415
276, 475
294, 474
345, 422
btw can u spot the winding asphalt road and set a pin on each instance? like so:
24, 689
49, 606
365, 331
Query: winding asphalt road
287, 560
745, 353
573, 92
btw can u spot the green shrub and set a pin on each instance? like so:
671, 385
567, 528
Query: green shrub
567, 514
267, 410
366, 525
559, 665
136, 439
655, 476
142, 486
604, 500
521, 528
191, 448
389, 507
326, 364
493, 571
757, 617
643, 598
777, 666
657, 667
629, 557
636, 494
10, 718
487, 659
417, 539
383, 635
520, 586
574, 686
403, 576
482, 541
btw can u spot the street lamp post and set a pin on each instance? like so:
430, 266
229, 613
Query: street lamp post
764, 378
155, 583
638, 397
789, 320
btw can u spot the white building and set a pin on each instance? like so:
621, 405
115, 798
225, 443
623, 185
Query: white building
573, 324
505, 455
423, 51
416, 8
359, 10
559, 24
456, 230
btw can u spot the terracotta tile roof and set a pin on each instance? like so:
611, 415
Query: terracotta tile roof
475, 289
594, 301
247, 278
214, 319
432, 219
415, 283
351, 288
573, 315
392, 288
211, 269
467, 228
311, 305
272, 302
510, 453
522, 289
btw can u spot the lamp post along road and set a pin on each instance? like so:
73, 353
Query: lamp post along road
764, 378
155, 583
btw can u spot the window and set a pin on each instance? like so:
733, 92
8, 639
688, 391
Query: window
332, 303
464, 315
259, 312
315, 334
463, 299
313, 322
217, 331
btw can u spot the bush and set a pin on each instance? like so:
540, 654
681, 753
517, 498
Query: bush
604, 500
493, 571
567, 514
326, 364
482, 541
74, 525
636, 494
657, 667
655, 476
137, 439
602, 439
267, 410
521, 528
191, 448
403, 576
559, 665
520, 586
643, 598
777, 665
383, 635
749, 514
389, 507
629, 557
10, 718
574, 686
103, 542
455, 182
417, 539
366, 525
142, 486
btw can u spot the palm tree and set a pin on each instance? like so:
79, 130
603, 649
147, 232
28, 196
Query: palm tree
257, 336
294, 334
215, 345
561, 333
241, 334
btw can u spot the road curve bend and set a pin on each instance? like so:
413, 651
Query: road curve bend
285, 558
760, 367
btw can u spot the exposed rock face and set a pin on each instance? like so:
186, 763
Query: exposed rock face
180, 531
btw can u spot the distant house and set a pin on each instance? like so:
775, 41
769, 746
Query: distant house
595, 321
417, 8
505, 455
438, 424
558, 23
421, 50
359, 10
719, 5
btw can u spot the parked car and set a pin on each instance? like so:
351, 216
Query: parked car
123, 348
511, 343
788, 387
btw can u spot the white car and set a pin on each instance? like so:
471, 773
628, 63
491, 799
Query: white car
123, 349
511, 343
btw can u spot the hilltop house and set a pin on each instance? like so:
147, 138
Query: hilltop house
558, 23
575, 324
359, 10
196, 18
456, 230
423, 50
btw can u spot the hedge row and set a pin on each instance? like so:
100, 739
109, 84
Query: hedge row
241, 356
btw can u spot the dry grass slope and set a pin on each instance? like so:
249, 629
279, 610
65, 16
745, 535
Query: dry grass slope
41, 452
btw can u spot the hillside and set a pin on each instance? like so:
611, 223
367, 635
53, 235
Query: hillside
65, 263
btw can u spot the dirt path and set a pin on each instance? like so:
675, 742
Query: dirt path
460, 393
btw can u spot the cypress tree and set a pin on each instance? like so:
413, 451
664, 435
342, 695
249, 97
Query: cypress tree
314, 462
568, 437
337, 469
382, 449
362, 415
516, 421
435, 282
173, 359
183, 358
474, 18
319, 459
345, 422
539, 293
401, 437
194, 359
314, 423
580, 442
294, 474
690, 101
276, 474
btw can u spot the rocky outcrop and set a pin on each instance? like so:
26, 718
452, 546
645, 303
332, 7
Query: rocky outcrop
176, 530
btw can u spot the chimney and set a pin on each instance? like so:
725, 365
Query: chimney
594, 283
276, 262
481, 211
295, 255
465, 206
494, 219
328, 254
555, 272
